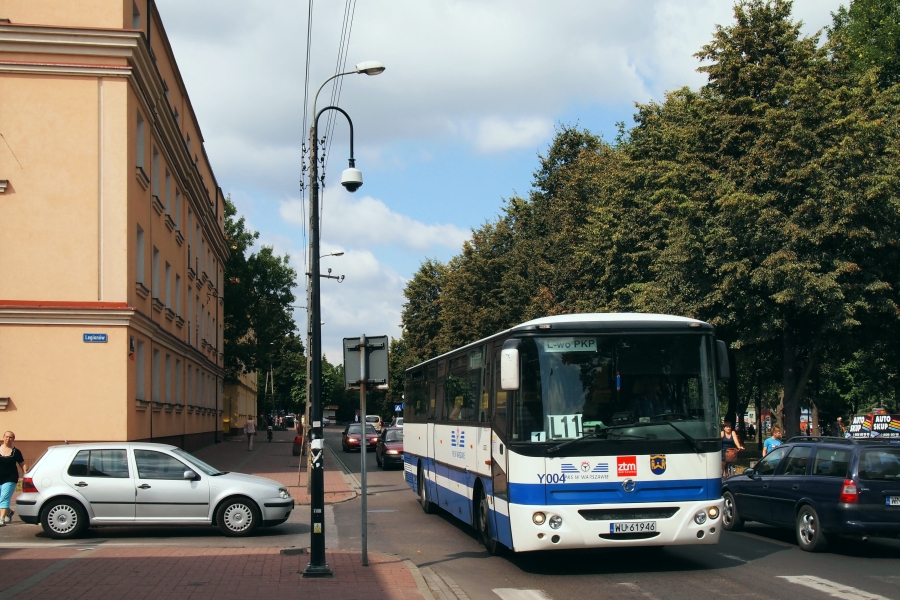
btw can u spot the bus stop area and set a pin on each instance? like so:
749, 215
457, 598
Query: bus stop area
174, 566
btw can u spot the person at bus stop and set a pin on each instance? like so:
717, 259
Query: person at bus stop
11, 463
731, 445
773, 442
250, 432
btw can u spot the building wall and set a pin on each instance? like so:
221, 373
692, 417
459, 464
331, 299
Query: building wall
240, 403
82, 183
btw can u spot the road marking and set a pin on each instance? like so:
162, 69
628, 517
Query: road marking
514, 594
732, 557
383, 510
836, 590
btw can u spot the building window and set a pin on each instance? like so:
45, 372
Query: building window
166, 89
178, 295
168, 286
155, 382
168, 379
190, 384
140, 392
155, 167
168, 193
140, 135
155, 272
140, 255
178, 382
177, 209
189, 144
177, 116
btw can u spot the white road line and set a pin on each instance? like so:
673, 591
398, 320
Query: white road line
514, 594
732, 557
836, 590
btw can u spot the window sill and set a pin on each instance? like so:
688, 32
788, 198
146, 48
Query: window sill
179, 408
179, 237
157, 304
169, 222
191, 274
169, 407
199, 284
142, 177
141, 291
179, 321
204, 277
156, 406
141, 404
170, 314
157, 205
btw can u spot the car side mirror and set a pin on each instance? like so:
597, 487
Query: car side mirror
190, 475
749, 472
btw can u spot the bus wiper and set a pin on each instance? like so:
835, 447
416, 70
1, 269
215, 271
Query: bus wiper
694, 443
595, 435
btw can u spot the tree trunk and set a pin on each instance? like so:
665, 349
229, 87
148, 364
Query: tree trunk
790, 376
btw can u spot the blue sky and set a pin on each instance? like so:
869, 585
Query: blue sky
471, 95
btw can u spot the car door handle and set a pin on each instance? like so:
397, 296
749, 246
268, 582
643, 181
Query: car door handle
144, 487
796, 486
81, 484
765, 486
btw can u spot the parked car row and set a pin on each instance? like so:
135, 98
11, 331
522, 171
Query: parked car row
822, 487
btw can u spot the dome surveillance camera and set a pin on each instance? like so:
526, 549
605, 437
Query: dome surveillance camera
351, 179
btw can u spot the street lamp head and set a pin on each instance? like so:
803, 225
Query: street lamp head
351, 178
370, 67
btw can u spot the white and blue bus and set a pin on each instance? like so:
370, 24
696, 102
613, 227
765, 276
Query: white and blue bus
573, 431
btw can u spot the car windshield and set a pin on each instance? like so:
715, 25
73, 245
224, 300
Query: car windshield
357, 429
196, 462
393, 436
371, 419
635, 384
882, 464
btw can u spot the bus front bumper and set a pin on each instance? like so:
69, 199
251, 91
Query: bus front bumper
586, 526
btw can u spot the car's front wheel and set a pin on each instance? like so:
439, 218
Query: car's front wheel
731, 518
238, 517
810, 536
64, 519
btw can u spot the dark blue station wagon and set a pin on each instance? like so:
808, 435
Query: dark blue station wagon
822, 487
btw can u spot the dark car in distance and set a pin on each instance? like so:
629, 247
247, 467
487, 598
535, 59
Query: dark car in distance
389, 451
352, 436
822, 487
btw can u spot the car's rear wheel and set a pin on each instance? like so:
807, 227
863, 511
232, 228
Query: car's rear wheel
64, 519
810, 536
238, 517
427, 506
731, 518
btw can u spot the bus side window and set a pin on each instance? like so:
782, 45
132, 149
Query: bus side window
500, 399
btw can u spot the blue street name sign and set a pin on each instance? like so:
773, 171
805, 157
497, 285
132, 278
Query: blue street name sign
398, 408
95, 338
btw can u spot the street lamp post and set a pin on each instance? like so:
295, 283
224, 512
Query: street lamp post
352, 180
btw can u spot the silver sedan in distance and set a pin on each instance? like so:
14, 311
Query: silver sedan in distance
75, 486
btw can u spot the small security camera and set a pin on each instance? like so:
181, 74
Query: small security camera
351, 179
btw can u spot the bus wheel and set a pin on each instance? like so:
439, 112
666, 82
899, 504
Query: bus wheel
427, 506
484, 526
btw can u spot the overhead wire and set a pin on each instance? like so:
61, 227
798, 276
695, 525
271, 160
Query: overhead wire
304, 146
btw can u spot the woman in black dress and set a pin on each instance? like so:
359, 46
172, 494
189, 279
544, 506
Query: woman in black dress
11, 462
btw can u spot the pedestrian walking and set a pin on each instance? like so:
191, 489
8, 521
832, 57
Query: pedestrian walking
11, 463
837, 428
731, 445
250, 432
773, 442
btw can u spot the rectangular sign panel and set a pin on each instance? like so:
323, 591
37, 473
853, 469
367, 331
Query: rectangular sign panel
95, 338
376, 363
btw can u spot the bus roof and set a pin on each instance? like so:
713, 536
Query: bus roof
599, 320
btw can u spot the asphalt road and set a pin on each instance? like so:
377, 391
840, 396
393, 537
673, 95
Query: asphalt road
762, 562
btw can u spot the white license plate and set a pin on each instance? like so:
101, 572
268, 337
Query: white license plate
892, 500
632, 527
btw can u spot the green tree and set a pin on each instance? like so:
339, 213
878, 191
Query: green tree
867, 36
422, 310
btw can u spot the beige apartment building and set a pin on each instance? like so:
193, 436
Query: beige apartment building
111, 232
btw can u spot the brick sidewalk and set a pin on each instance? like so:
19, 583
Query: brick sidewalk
177, 572
274, 460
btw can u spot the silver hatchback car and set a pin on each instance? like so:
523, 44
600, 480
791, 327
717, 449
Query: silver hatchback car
75, 486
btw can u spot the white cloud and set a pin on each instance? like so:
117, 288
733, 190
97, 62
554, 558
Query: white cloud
497, 135
367, 221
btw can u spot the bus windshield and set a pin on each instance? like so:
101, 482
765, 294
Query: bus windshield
625, 386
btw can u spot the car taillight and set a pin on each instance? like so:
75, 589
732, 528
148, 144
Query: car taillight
849, 493
28, 486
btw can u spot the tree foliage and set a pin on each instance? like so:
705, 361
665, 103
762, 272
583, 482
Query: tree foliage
765, 203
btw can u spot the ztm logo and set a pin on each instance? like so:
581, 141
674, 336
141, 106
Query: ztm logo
458, 438
626, 466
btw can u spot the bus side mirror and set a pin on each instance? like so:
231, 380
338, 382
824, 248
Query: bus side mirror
509, 369
722, 360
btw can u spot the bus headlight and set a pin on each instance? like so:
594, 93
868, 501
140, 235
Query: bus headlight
538, 518
700, 518
713, 512
555, 522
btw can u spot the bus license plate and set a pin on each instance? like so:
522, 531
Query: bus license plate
632, 527
893, 500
